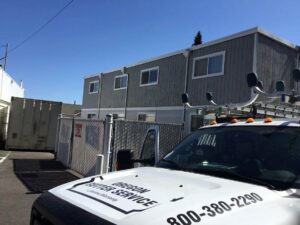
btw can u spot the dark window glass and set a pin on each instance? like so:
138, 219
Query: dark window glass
201, 67
215, 64
117, 83
269, 154
145, 77
142, 117
92, 87
153, 76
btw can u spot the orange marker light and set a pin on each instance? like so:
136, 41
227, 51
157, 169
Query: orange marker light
250, 120
234, 120
268, 120
213, 122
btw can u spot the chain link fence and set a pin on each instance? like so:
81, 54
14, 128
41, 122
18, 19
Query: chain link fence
78, 144
87, 144
131, 135
80, 141
63, 141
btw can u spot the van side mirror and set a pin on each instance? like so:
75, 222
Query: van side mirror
252, 80
185, 98
280, 86
296, 75
124, 159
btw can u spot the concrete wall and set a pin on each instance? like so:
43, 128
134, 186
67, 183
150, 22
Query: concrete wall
9, 87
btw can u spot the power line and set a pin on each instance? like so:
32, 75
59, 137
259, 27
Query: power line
40, 28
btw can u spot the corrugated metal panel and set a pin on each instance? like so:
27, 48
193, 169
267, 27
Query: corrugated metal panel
32, 124
111, 98
230, 87
89, 100
169, 88
275, 61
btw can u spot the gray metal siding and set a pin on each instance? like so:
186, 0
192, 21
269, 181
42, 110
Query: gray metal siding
111, 98
90, 100
230, 87
169, 88
275, 61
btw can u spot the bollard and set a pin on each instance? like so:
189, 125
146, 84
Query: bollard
99, 164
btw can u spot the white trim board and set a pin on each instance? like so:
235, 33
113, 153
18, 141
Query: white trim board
161, 108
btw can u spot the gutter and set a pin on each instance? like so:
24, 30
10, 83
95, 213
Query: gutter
186, 54
99, 96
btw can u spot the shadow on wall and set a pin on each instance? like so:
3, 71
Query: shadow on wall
41, 175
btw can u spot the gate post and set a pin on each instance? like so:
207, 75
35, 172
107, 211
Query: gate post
99, 164
107, 141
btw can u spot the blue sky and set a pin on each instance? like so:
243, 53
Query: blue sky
92, 36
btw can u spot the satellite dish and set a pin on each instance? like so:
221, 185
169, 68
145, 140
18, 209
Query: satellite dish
296, 75
209, 96
185, 98
252, 80
280, 86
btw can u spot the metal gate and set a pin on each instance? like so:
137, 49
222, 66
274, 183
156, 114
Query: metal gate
64, 139
88, 140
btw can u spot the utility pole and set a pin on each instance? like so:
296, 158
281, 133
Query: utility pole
5, 56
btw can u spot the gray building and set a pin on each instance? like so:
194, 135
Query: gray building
151, 90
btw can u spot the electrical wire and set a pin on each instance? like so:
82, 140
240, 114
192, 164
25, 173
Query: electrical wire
40, 28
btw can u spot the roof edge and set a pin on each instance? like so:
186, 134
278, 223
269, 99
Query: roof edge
207, 44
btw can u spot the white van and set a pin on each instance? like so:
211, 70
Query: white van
242, 173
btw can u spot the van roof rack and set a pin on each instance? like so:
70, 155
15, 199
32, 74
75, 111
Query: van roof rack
279, 104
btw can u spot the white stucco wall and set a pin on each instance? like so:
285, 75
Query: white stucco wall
9, 87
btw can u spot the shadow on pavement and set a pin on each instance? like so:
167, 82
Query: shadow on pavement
41, 175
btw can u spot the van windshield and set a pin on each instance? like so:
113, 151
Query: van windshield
266, 155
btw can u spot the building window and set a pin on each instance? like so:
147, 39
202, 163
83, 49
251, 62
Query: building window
91, 116
121, 82
149, 76
119, 116
209, 65
147, 117
94, 87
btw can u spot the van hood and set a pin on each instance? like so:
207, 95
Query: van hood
161, 196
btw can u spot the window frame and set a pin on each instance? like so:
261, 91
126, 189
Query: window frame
207, 57
119, 76
93, 82
149, 69
146, 113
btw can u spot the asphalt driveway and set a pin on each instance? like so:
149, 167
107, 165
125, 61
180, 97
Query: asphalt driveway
23, 177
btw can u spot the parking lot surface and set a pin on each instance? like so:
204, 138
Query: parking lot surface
23, 177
